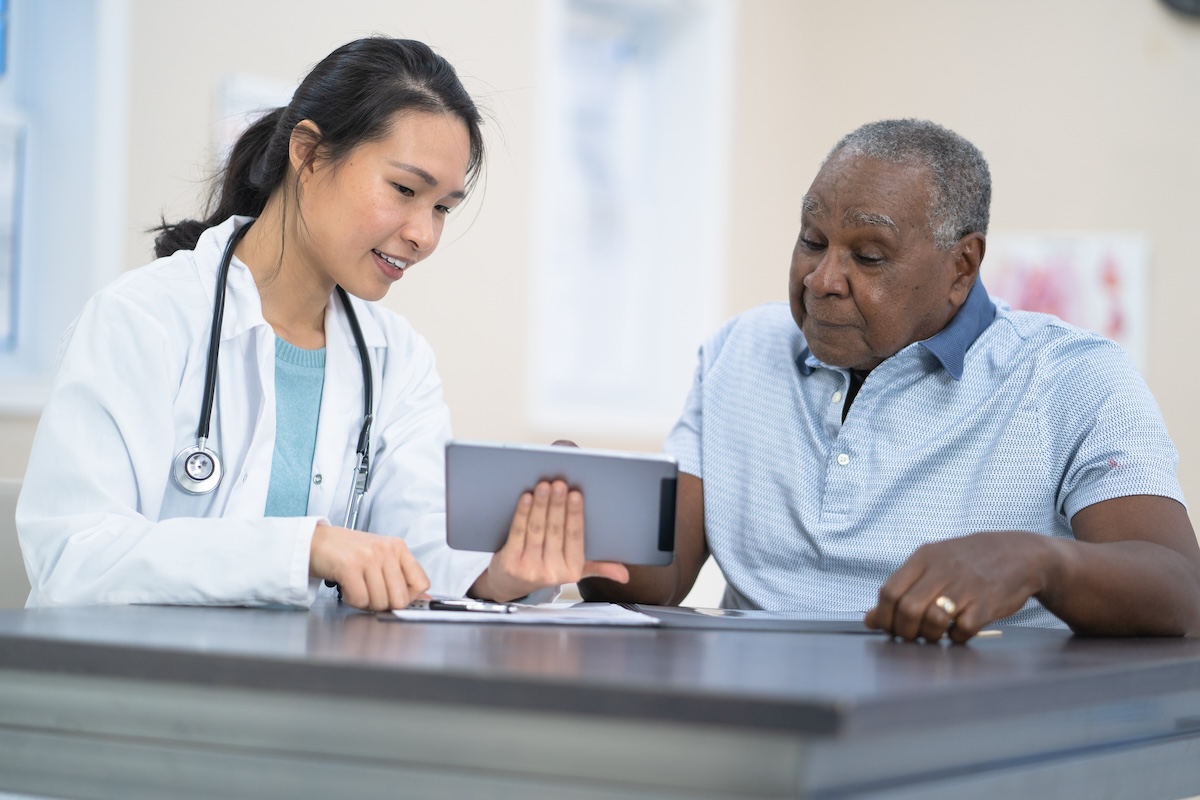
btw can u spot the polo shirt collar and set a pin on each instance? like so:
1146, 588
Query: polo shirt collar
949, 345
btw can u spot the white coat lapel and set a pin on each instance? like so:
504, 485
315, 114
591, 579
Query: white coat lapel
246, 396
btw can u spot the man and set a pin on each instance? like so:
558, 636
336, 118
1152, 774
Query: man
899, 445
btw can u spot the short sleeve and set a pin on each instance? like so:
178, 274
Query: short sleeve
1106, 433
683, 442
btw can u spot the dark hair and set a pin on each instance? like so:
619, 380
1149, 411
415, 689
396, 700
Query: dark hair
352, 95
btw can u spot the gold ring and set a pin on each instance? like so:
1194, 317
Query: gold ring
947, 605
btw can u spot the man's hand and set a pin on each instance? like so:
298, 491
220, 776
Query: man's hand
544, 547
959, 585
1133, 569
374, 572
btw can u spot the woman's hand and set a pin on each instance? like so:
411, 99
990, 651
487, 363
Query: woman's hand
374, 572
544, 547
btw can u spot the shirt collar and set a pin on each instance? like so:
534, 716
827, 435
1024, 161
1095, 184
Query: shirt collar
949, 345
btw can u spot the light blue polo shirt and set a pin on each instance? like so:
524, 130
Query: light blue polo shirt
1005, 420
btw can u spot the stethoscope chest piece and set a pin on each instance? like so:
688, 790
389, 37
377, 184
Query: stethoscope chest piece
197, 469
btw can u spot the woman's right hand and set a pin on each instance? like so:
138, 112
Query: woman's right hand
374, 572
544, 547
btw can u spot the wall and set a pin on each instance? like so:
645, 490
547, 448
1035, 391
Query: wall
1086, 109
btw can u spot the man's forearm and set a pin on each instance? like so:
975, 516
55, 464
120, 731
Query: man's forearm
1128, 588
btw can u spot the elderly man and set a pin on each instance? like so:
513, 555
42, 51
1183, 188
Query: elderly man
897, 444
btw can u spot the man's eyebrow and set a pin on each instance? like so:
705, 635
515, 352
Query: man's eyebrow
810, 204
864, 218
424, 175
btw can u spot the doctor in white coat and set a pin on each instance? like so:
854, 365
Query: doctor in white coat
343, 189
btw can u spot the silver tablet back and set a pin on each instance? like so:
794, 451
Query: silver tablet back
628, 498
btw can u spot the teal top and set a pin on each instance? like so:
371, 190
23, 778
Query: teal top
299, 377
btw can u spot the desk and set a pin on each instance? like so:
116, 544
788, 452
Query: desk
200, 702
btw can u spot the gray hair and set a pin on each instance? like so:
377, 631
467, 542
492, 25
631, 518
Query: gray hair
961, 182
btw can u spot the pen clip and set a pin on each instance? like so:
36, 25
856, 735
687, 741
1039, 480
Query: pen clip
464, 604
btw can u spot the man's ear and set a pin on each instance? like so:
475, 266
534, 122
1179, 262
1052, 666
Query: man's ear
302, 147
968, 255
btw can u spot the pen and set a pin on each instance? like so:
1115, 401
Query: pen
465, 604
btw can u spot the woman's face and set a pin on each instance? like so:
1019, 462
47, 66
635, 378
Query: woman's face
365, 220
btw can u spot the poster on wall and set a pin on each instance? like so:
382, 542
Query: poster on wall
3, 37
10, 205
626, 265
241, 100
1097, 281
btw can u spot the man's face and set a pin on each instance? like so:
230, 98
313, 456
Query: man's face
866, 279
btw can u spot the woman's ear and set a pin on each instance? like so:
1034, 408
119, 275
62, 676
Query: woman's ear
302, 147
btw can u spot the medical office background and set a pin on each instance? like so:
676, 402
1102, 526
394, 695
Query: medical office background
646, 160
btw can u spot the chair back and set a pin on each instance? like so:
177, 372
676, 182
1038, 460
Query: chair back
14, 584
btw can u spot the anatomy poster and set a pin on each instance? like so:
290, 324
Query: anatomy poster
1097, 281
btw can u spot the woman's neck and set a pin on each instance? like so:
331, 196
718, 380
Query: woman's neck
293, 294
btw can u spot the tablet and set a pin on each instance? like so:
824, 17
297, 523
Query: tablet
628, 498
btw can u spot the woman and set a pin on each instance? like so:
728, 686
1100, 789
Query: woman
155, 480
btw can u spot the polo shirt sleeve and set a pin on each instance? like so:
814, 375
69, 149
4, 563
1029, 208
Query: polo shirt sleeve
1106, 435
683, 442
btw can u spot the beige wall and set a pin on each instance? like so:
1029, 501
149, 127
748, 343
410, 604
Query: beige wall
1086, 109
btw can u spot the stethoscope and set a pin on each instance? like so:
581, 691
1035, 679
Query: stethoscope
197, 469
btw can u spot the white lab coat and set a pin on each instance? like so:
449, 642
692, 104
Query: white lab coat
100, 518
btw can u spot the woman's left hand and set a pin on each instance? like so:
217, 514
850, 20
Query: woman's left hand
544, 547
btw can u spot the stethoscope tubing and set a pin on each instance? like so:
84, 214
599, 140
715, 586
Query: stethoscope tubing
214, 338
201, 450
362, 465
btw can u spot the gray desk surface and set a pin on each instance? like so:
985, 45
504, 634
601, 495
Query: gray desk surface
130, 702
822, 685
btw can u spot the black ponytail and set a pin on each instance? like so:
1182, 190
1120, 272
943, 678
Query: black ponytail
243, 188
352, 95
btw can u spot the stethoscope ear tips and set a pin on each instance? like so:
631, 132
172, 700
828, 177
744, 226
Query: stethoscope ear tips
197, 470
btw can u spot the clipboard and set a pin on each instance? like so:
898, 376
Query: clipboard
735, 619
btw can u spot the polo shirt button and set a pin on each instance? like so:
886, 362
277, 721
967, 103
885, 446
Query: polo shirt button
837, 397
843, 459
317, 478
